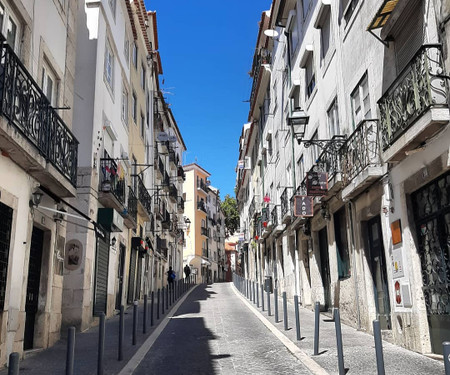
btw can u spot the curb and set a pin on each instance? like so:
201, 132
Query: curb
312, 365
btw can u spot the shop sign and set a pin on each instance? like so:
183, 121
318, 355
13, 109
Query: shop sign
303, 206
316, 184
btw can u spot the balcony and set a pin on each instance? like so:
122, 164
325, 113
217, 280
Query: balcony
158, 122
285, 207
180, 173
161, 246
145, 200
165, 220
361, 163
201, 206
166, 182
414, 107
259, 73
173, 193
160, 170
205, 253
275, 215
130, 213
112, 187
173, 160
201, 185
180, 205
204, 231
251, 209
33, 135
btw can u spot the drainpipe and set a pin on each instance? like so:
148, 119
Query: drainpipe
355, 274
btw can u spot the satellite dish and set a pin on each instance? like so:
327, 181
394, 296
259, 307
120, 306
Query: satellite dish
172, 138
271, 33
162, 137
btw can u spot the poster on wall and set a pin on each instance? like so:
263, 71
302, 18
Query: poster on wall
397, 264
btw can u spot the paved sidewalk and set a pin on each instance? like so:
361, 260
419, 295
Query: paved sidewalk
52, 361
359, 347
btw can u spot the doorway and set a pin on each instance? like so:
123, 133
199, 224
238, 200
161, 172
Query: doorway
33, 283
325, 267
120, 273
377, 262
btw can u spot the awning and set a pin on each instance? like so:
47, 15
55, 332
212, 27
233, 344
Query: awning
382, 15
204, 261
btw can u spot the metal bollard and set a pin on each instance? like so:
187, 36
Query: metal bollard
297, 318
158, 305
121, 333
152, 308
162, 300
262, 297
257, 295
285, 314
275, 303
70, 350
316, 328
144, 323
13, 366
340, 350
135, 321
253, 291
446, 346
268, 302
167, 297
101, 344
379, 347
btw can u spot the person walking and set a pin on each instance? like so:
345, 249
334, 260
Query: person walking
170, 277
187, 271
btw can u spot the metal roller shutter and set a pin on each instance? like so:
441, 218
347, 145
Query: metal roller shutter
101, 275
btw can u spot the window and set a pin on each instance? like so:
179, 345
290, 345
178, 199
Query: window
143, 77
333, 119
135, 55
325, 34
126, 50
269, 145
125, 106
349, 7
314, 149
109, 65
293, 35
300, 170
310, 76
49, 84
134, 107
142, 125
340, 232
360, 101
9, 27
112, 5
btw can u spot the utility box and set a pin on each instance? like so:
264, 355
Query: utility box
268, 285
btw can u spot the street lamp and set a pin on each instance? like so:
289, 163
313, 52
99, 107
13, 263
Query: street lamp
298, 120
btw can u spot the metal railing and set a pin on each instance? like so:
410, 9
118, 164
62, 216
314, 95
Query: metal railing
417, 88
27, 108
285, 203
361, 150
144, 196
173, 192
260, 57
204, 231
180, 203
110, 181
180, 173
201, 206
274, 216
132, 204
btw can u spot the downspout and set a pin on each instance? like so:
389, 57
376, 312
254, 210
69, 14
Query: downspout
355, 274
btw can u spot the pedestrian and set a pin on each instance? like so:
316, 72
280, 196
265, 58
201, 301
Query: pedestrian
170, 277
187, 271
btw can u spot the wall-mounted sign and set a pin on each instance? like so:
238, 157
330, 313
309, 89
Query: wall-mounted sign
241, 164
396, 232
397, 263
316, 184
303, 206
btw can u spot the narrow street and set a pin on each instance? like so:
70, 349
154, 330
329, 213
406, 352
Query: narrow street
213, 332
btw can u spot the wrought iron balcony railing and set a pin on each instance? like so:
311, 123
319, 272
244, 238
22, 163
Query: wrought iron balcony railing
110, 180
173, 157
27, 108
201, 206
180, 173
173, 192
204, 231
274, 216
260, 57
161, 166
417, 88
285, 203
132, 204
180, 204
251, 208
165, 222
201, 185
144, 196
361, 150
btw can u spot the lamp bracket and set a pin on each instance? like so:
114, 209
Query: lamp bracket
331, 146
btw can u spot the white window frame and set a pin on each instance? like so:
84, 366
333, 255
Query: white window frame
360, 101
109, 65
112, 5
126, 50
333, 119
134, 106
125, 105
48, 77
142, 125
135, 54
143, 76
294, 33
310, 76
326, 25
9, 16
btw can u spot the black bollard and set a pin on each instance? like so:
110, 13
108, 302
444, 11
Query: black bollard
135, 321
275, 303
253, 292
13, 366
262, 297
158, 305
152, 308
340, 350
70, 350
163, 293
268, 303
101, 344
167, 296
297, 318
285, 314
379, 347
257, 295
316, 328
121, 333
144, 323
446, 347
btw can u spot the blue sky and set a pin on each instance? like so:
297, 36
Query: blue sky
206, 49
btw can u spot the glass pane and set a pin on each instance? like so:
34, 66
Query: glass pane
11, 32
2, 16
49, 91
